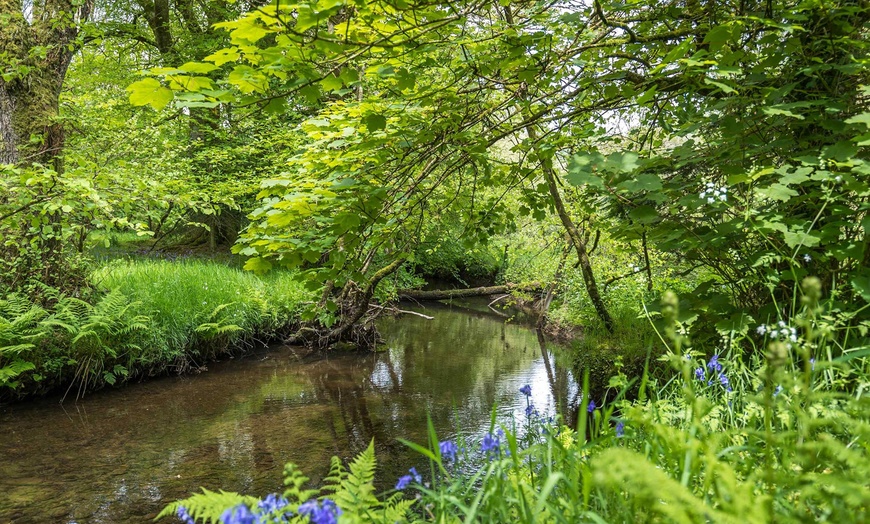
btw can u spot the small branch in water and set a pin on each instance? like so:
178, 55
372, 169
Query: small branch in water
498, 299
402, 311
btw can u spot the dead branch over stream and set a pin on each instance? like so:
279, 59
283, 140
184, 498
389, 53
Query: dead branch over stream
444, 294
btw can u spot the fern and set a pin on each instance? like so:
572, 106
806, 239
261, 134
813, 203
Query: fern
352, 490
208, 506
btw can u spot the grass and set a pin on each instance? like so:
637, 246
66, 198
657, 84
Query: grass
145, 317
200, 307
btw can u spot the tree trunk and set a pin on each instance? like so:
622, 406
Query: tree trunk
444, 294
38, 54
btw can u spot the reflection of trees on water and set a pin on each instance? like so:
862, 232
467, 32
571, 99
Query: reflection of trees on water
563, 385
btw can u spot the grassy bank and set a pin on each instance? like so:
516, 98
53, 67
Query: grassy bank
144, 317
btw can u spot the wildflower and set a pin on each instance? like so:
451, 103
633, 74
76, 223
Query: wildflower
724, 381
714, 364
774, 333
620, 429
808, 259
777, 391
531, 411
526, 390
240, 514
490, 443
591, 407
403, 482
761, 330
417, 478
272, 504
448, 450
699, 373
327, 513
812, 364
184, 516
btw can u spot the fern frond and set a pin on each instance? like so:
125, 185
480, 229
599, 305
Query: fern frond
208, 506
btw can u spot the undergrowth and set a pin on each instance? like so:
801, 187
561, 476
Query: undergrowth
145, 317
777, 432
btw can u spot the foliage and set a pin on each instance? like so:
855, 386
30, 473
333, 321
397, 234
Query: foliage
351, 490
724, 443
148, 316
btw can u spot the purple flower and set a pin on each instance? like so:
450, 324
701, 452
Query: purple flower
620, 429
184, 515
403, 482
591, 407
700, 373
240, 514
491, 443
724, 381
417, 478
448, 450
273, 503
526, 390
327, 513
531, 411
714, 364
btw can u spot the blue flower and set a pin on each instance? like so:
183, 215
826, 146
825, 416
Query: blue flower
591, 407
700, 373
273, 503
531, 411
620, 429
448, 450
812, 364
403, 482
240, 514
417, 478
491, 443
526, 390
327, 513
777, 391
724, 381
184, 515
714, 364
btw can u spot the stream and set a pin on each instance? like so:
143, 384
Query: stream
120, 455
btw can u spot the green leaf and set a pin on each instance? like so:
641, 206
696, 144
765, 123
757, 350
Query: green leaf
331, 83
258, 265
724, 87
643, 182
861, 284
247, 79
375, 122
863, 118
644, 214
198, 67
149, 91
777, 192
778, 111
800, 238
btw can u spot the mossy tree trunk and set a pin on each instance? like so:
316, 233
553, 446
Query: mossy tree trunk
35, 50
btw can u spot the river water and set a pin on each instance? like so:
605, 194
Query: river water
119, 456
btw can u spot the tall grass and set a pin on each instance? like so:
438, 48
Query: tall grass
199, 307
146, 317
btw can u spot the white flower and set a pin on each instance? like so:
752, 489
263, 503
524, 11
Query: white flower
774, 333
723, 197
762, 329
711, 200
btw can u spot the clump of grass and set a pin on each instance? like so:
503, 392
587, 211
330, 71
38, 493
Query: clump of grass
143, 317
198, 308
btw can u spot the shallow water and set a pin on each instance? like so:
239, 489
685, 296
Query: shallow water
119, 456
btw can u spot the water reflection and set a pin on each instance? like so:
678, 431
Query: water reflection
119, 456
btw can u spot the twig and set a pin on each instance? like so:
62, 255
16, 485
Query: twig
402, 311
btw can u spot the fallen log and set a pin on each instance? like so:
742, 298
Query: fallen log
443, 294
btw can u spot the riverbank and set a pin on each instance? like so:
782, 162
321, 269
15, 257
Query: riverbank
145, 317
